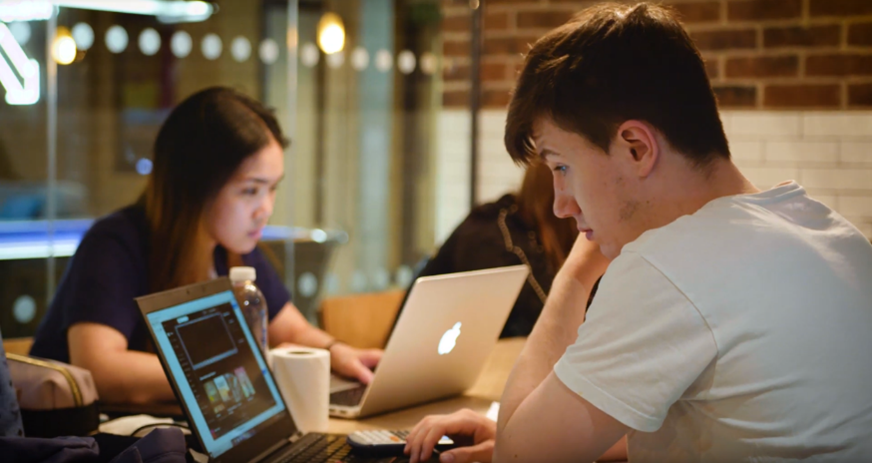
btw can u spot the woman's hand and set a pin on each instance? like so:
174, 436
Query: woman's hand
354, 363
464, 423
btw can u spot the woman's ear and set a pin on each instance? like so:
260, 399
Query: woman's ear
637, 143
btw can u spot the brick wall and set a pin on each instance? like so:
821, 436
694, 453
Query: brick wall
764, 54
793, 77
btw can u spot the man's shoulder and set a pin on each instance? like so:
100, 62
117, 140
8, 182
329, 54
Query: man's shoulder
772, 230
785, 216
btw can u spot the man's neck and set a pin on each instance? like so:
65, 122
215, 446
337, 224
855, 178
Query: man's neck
686, 189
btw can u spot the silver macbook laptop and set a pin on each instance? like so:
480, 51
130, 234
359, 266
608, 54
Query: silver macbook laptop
445, 333
228, 394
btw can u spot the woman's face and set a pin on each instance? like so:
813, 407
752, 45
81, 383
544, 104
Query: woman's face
242, 208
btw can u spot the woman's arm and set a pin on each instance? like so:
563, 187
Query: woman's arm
121, 375
289, 325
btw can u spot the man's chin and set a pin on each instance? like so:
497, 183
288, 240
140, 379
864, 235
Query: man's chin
610, 251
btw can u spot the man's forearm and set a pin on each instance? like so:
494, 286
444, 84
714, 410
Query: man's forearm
557, 327
555, 330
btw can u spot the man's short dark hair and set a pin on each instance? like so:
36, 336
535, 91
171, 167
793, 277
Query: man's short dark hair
612, 63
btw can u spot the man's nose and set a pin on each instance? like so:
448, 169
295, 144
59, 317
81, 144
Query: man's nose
565, 205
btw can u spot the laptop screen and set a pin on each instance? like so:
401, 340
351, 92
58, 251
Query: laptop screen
220, 373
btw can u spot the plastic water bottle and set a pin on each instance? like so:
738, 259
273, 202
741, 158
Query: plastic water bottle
252, 303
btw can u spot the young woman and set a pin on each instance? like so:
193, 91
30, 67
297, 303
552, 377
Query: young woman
218, 159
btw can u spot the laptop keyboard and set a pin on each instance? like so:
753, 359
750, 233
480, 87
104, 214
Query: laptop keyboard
328, 448
318, 448
348, 397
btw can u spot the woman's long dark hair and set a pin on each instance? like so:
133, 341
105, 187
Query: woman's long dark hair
197, 150
536, 208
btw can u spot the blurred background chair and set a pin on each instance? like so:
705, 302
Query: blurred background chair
361, 320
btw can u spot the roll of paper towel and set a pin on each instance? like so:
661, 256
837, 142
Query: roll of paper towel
303, 376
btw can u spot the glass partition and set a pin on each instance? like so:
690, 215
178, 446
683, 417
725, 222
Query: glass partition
87, 84
366, 118
357, 85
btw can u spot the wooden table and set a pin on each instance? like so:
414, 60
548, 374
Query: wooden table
487, 389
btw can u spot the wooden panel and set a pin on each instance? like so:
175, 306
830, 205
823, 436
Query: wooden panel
20, 346
361, 320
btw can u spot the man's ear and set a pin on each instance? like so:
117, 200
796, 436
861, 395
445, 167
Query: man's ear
637, 144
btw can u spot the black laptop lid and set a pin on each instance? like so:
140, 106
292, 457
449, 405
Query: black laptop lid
219, 375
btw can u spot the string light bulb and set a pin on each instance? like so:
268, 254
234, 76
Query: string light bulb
331, 33
63, 49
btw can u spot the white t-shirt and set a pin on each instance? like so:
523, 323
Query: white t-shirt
742, 332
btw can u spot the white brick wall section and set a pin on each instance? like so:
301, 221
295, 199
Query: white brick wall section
830, 153
452, 172
837, 124
855, 206
859, 152
746, 151
765, 124
802, 151
837, 179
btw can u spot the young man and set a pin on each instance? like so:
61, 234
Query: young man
732, 324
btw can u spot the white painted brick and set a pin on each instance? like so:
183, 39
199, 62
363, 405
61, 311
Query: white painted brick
492, 118
746, 150
765, 123
454, 123
857, 151
802, 151
855, 206
767, 177
850, 124
847, 179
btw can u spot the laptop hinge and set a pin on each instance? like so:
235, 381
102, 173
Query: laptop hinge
273, 449
297, 435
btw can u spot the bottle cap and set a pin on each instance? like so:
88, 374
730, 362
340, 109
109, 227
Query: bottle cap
240, 274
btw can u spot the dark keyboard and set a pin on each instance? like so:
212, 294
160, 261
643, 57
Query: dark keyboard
330, 448
348, 397
317, 448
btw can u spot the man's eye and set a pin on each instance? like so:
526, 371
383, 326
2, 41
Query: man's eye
249, 191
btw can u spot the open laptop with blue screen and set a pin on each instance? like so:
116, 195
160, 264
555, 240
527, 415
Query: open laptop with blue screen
228, 393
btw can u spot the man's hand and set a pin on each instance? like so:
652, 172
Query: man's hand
464, 423
585, 262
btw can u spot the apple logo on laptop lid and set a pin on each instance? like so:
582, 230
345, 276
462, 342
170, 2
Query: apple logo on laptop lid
449, 339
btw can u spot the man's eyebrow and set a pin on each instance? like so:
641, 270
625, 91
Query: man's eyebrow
543, 155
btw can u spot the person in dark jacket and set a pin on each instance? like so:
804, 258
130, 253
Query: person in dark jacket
516, 229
